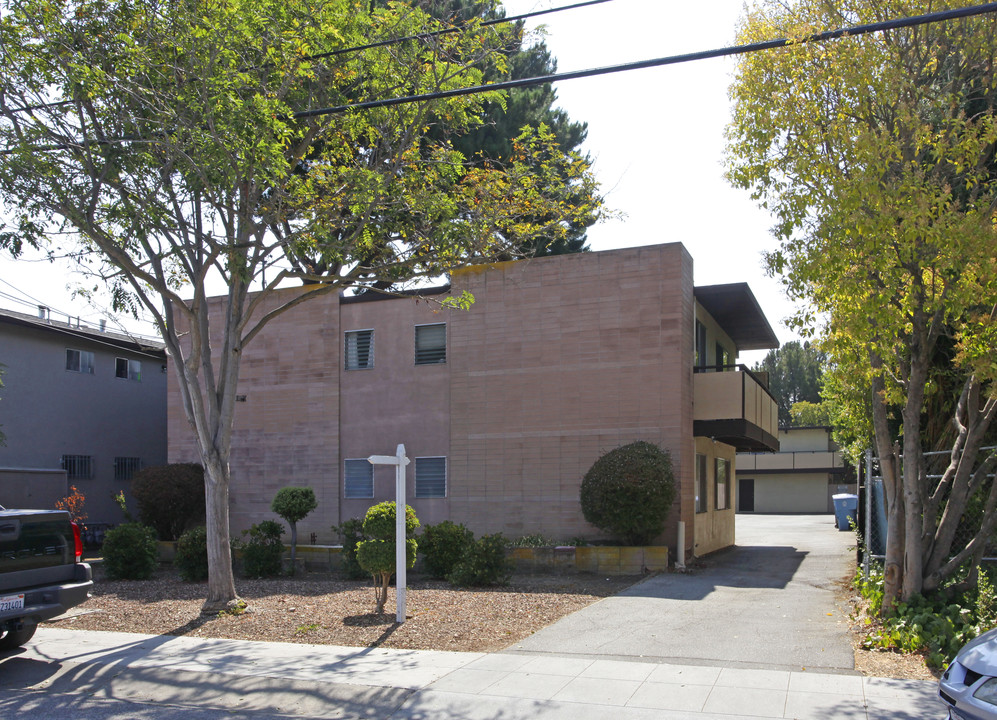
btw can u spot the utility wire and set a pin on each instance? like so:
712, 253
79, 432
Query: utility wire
826, 36
384, 43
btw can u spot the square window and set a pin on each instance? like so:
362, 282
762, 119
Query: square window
80, 361
128, 369
721, 484
701, 483
78, 467
431, 344
125, 467
431, 477
358, 478
359, 349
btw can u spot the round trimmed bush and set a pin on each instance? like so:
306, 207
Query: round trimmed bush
628, 492
191, 559
130, 552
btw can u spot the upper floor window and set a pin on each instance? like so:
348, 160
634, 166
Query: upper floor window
128, 369
359, 350
431, 477
723, 358
430, 344
78, 467
700, 344
125, 467
358, 478
721, 484
80, 361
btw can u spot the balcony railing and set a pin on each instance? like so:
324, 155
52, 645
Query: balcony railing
733, 405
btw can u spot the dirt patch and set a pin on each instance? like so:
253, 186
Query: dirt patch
323, 609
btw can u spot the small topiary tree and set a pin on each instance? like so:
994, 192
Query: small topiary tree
628, 491
191, 559
261, 554
293, 504
170, 498
442, 546
130, 552
376, 554
484, 562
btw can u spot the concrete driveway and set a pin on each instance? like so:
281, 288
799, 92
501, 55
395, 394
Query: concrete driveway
768, 603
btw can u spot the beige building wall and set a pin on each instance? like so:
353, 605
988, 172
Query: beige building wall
559, 361
714, 529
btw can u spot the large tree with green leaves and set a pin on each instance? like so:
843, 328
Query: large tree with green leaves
166, 143
794, 373
524, 56
876, 155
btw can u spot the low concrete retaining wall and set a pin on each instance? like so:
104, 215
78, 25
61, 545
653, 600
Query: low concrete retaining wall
602, 559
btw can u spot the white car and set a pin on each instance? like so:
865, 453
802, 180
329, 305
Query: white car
969, 686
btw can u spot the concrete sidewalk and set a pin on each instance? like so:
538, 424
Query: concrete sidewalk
251, 679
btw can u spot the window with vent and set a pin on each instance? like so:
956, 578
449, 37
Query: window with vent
721, 484
430, 477
359, 349
79, 361
358, 478
700, 483
78, 467
125, 467
127, 369
431, 344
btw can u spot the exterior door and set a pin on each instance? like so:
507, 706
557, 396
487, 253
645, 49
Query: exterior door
746, 495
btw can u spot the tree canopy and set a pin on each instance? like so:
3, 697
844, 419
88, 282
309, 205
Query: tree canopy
876, 156
167, 144
794, 372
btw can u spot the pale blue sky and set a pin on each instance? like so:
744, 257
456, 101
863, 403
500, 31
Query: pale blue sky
656, 136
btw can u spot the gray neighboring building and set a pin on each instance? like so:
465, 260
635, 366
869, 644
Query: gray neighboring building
800, 478
80, 406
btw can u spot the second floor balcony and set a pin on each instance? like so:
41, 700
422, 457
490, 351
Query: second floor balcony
734, 406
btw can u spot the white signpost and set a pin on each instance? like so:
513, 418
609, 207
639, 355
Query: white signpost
399, 461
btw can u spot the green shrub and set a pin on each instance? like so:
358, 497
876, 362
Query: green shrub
442, 546
536, 540
376, 554
130, 552
293, 504
351, 533
484, 562
628, 492
191, 559
170, 498
261, 555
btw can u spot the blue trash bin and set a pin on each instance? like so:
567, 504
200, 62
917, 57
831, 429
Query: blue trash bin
845, 510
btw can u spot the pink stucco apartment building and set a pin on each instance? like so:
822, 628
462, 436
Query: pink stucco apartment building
503, 408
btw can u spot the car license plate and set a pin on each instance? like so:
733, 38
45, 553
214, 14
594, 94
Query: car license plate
12, 602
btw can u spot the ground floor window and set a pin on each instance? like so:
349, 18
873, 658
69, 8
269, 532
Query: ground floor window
430, 477
700, 483
721, 484
358, 476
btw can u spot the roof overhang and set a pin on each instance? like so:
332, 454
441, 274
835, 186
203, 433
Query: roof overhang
736, 310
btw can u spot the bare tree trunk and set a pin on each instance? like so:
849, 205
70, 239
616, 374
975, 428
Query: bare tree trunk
889, 463
221, 585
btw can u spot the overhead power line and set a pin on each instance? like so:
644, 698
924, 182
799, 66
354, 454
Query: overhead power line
826, 36
385, 43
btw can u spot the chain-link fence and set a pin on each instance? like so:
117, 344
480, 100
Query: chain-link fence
872, 509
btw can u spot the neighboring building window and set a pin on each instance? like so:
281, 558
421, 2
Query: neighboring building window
721, 483
430, 477
359, 478
430, 344
700, 344
700, 483
125, 467
359, 349
78, 467
128, 369
79, 361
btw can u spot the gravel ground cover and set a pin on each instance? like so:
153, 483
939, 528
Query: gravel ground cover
324, 609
